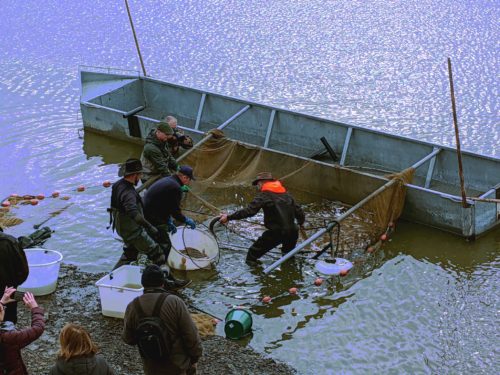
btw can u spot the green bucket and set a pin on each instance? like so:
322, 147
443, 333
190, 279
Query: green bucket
238, 324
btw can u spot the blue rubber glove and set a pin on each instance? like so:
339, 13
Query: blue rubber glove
190, 223
171, 226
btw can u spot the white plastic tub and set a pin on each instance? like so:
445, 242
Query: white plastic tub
44, 271
118, 289
197, 239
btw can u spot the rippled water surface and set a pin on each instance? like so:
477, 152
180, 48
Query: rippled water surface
427, 303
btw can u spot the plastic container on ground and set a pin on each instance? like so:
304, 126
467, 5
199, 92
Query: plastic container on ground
44, 268
118, 289
238, 323
333, 269
197, 239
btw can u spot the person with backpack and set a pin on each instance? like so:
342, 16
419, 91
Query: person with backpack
14, 270
78, 354
159, 323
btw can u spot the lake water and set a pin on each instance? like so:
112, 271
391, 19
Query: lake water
427, 303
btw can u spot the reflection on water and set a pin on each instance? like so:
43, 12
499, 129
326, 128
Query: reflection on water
427, 303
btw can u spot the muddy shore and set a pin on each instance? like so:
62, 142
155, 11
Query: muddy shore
77, 300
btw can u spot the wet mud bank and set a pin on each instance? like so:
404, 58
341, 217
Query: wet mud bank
77, 300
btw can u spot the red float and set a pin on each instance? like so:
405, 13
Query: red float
266, 299
80, 188
106, 184
34, 202
293, 290
318, 281
5, 204
55, 194
40, 197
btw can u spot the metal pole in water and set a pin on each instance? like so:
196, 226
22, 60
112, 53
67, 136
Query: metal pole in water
457, 138
135, 38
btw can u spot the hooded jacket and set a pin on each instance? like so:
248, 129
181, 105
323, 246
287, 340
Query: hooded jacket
92, 365
156, 158
12, 341
280, 209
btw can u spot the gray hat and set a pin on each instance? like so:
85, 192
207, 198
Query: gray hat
131, 166
262, 176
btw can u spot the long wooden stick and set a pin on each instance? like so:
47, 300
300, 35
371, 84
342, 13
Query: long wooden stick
457, 137
135, 38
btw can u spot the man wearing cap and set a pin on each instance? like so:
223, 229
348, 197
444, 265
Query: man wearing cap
184, 339
126, 215
280, 212
163, 202
180, 139
156, 157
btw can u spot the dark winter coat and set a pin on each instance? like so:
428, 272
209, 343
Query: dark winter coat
14, 270
186, 348
12, 341
280, 209
156, 157
163, 199
126, 203
92, 365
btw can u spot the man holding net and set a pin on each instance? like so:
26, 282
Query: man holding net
280, 213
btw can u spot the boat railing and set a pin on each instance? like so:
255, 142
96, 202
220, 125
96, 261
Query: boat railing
108, 70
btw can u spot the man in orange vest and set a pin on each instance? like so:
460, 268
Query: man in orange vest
280, 213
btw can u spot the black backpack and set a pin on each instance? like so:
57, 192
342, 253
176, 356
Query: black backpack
151, 333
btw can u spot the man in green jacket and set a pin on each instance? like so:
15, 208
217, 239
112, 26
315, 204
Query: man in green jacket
156, 158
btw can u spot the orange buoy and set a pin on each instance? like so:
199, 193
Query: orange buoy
292, 290
106, 184
34, 202
318, 281
370, 249
343, 273
266, 299
383, 237
5, 204
55, 194
40, 197
80, 188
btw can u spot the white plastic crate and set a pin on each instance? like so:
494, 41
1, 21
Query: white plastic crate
118, 289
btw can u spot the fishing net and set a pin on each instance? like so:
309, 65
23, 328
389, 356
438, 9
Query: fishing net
224, 170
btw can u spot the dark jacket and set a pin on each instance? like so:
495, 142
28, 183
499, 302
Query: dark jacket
156, 157
126, 204
163, 199
186, 348
92, 365
12, 341
14, 270
280, 209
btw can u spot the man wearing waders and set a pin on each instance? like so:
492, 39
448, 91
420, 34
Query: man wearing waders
163, 202
280, 212
126, 216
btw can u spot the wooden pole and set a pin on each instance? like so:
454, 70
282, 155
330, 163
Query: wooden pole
457, 137
135, 38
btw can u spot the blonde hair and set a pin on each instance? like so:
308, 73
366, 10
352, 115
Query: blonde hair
75, 342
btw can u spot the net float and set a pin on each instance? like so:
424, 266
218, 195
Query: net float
370, 249
40, 197
55, 194
318, 281
383, 237
5, 204
34, 202
106, 183
266, 299
80, 188
292, 290
343, 273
